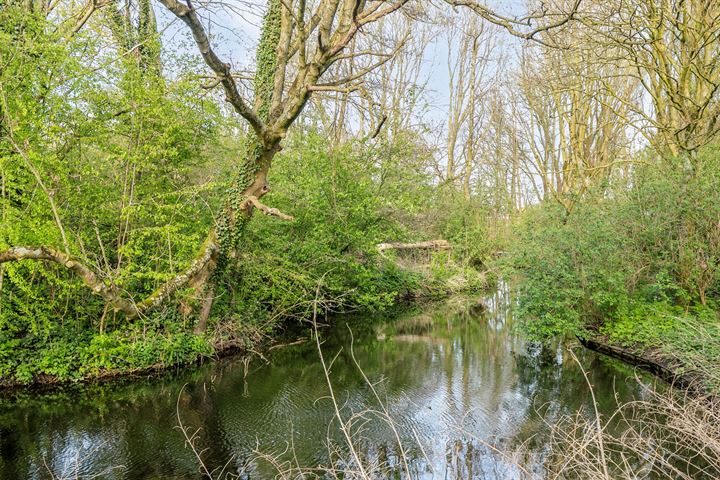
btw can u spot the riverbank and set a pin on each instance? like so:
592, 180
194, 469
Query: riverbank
147, 348
636, 267
220, 349
684, 353
456, 379
655, 361
670, 368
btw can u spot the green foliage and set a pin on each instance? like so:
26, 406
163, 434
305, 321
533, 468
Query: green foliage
339, 219
639, 265
35, 125
125, 167
119, 151
266, 61
690, 338
66, 358
469, 227
570, 271
638, 323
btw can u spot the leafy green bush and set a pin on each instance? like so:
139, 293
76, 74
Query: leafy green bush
469, 227
623, 260
94, 355
340, 217
637, 323
570, 272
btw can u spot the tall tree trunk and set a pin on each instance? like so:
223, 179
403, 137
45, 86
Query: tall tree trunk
472, 134
250, 179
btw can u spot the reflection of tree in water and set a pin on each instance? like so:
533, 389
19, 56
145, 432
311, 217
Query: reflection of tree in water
555, 387
454, 376
76, 432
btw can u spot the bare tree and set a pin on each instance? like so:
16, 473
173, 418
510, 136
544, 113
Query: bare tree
671, 48
387, 99
572, 126
473, 67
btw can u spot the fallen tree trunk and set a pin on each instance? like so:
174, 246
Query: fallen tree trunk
107, 291
661, 366
429, 245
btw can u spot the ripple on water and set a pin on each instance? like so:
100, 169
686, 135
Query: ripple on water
457, 387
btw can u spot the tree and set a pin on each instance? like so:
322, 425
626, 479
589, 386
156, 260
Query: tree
569, 122
671, 49
298, 44
472, 71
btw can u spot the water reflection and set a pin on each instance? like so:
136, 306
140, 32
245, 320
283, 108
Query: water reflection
463, 389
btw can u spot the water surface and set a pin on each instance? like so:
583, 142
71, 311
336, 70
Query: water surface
459, 384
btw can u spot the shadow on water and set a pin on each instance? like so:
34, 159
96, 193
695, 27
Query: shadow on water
459, 383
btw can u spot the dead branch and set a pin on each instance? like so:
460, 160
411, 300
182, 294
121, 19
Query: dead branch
429, 245
273, 212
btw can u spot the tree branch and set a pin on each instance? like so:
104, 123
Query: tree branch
89, 278
221, 69
513, 25
273, 212
110, 293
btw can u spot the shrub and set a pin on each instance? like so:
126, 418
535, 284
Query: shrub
625, 258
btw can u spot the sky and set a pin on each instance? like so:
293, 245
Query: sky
235, 28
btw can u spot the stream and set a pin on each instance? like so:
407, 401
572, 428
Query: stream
465, 394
